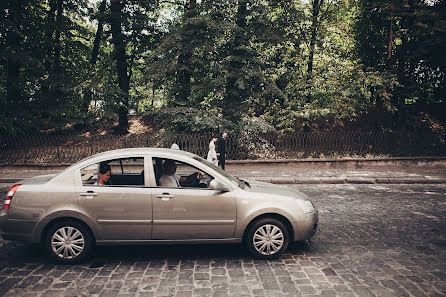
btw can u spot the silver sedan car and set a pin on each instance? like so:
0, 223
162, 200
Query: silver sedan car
150, 196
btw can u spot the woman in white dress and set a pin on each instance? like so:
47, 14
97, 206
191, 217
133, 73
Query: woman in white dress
212, 154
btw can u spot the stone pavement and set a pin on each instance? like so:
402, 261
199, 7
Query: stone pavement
282, 172
373, 240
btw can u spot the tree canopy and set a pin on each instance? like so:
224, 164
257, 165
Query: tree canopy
207, 66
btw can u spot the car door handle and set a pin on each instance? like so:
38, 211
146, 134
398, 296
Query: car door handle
89, 195
165, 196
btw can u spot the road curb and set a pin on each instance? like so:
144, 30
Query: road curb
417, 160
357, 180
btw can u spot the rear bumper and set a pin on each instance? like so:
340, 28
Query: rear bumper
17, 237
3, 221
15, 230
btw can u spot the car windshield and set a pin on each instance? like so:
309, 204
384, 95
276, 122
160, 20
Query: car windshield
232, 179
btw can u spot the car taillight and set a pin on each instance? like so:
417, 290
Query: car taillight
9, 196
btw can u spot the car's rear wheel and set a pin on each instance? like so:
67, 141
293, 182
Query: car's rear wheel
267, 238
68, 242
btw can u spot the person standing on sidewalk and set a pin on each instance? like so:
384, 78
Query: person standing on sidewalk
212, 153
221, 150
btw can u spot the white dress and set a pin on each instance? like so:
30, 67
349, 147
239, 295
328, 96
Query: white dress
212, 154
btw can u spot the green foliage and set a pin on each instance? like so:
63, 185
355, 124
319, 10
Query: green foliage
257, 125
208, 66
181, 119
184, 57
294, 118
46, 97
417, 41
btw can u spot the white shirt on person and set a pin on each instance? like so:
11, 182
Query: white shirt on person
170, 181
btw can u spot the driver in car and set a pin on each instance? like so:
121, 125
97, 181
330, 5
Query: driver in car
170, 179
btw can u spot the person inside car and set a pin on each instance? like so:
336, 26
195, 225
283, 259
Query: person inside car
170, 179
104, 174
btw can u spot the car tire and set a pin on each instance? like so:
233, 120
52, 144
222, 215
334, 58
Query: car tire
267, 238
68, 242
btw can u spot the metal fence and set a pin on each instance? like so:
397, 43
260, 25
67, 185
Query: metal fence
65, 149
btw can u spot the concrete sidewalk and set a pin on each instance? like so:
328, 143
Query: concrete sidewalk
323, 174
353, 171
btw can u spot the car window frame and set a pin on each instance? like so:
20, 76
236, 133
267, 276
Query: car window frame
189, 161
187, 164
78, 174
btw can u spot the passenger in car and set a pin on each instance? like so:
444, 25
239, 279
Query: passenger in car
104, 174
170, 179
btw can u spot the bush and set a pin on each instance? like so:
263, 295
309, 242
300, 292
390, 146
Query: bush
191, 120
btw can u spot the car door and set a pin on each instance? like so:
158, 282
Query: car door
192, 212
122, 210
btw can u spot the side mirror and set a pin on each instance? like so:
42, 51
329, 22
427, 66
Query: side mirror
218, 186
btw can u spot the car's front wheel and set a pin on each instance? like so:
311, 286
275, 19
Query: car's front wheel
68, 242
267, 238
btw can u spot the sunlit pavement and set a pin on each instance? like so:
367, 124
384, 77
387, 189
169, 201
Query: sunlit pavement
373, 240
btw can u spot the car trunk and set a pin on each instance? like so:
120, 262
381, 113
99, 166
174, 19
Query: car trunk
36, 180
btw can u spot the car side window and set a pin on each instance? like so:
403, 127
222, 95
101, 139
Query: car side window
89, 174
176, 174
115, 172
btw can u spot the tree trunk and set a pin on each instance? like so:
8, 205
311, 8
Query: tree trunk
94, 54
389, 47
395, 98
121, 64
192, 4
184, 77
317, 4
98, 36
238, 58
184, 74
50, 24
13, 47
57, 46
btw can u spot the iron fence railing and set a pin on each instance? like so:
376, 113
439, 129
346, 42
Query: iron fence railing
26, 149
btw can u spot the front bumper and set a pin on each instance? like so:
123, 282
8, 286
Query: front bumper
305, 229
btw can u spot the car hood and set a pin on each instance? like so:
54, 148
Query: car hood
266, 188
36, 180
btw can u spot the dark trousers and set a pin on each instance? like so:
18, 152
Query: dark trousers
221, 162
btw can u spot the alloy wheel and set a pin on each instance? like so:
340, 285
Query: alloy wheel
268, 239
67, 242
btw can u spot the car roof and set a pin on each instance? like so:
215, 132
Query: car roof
143, 150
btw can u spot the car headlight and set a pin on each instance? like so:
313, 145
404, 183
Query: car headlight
308, 206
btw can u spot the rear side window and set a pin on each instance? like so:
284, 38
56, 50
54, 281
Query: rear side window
89, 174
115, 172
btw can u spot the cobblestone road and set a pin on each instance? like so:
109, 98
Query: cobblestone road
374, 240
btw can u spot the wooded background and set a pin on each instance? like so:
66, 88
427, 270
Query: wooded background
208, 66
